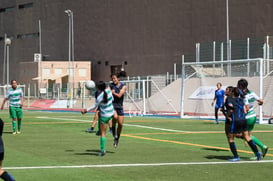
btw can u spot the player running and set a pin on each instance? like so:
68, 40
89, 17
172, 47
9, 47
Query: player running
251, 118
237, 116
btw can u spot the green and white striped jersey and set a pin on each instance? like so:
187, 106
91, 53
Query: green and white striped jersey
14, 96
251, 98
106, 109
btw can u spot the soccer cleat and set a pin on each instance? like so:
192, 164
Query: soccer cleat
259, 156
98, 133
18, 132
89, 130
102, 153
216, 121
14, 132
115, 142
235, 159
264, 151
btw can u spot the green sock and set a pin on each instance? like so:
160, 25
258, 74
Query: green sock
19, 125
258, 142
102, 143
14, 125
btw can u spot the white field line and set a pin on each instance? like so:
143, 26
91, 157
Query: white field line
136, 165
80, 120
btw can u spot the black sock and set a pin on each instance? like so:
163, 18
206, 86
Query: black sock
253, 146
92, 128
233, 149
7, 177
114, 131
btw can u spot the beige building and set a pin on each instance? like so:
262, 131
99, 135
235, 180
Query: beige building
48, 76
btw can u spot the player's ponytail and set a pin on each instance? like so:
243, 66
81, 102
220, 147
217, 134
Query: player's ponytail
102, 86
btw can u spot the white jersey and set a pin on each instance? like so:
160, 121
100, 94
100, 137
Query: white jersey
106, 109
251, 97
14, 96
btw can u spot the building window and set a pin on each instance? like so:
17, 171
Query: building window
58, 71
29, 35
2, 10
27, 5
82, 72
45, 72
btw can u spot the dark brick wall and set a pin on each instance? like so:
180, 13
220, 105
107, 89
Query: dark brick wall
150, 35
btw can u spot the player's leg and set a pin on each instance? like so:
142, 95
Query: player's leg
252, 145
120, 125
3, 174
103, 127
19, 119
13, 116
110, 127
216, 113
95, 120
114, 123
233, 148
251, 123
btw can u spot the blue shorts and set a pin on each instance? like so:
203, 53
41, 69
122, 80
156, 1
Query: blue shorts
119, 111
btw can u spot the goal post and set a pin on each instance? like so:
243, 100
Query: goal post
199, 79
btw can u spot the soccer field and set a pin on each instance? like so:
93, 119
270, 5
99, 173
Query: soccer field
55, 146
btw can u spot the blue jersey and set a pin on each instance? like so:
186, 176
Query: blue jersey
118, 101
219, 95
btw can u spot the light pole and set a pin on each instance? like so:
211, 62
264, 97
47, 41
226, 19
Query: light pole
70, 54
7, 44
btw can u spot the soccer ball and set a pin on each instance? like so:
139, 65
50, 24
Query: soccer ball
90, 84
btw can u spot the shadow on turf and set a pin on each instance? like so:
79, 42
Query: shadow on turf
213, 149
93, 152
223, 157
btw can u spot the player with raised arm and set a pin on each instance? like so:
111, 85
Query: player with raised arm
118, 90
104, 103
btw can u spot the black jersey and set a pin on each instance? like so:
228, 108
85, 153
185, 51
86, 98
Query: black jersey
237, 105
118, 101
1, 131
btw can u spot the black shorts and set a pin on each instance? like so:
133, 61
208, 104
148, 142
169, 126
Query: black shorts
238, 126
119, 111
2, 156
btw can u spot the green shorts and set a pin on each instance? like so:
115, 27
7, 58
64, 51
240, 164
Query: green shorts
105, 120
251, 123
15, 112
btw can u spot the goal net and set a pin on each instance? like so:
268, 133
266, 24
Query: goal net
199, 81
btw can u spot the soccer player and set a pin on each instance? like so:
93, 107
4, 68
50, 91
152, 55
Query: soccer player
104, 103
16, 99
3, 174
251, 118
95, 120
118, 90
236, 114
225, 108
219, 95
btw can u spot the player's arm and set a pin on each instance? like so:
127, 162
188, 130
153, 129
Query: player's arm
260, 102
22, 101
3, 103
213, 100
98, 101
121, 93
